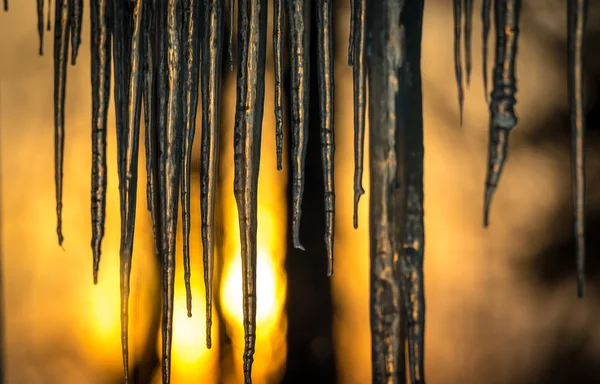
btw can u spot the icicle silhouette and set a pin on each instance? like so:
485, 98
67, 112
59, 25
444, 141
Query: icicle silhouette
457, 56
298, 12
61, 55
252, 46
76, 21
49, 13
326, 100
278, 17
214, 16
191, 51
231, 29
468, 29
171, 99
40, 16
486, 9
101, 34
577, 19
503, 118
385, 57
351, 37
360, 100
6, 5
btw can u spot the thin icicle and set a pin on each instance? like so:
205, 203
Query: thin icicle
231, 29
278, 20
252, 47
486, 9
76, 22
468, 29
61, 57
298, 12
40, 16
457, 9
502, 114
385, 57
360, 100
351, 37
49, 14
5, 5
191, 59
326, 105
100, 11
214, 17
577, 20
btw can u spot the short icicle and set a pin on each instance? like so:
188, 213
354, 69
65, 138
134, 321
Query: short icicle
252, 46
278, 20
76, 22
502, 114
40, 25
468, 26
212, 41
360, 100
298, 12
457, 9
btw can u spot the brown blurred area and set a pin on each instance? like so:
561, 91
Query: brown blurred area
501, 302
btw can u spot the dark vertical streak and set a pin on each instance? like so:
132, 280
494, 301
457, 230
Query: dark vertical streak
191, 51
486, 9
5, 5
76, 21
61, 53
278, 17
211, 115
298, 12
457, 9
577, 19
351, 37
40, 16
326, 105
360, 99
252, 35
386, 54
101, 74
231, 29
502, 114
468, 29
49, 13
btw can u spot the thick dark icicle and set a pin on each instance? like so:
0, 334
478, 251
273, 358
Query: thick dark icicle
278, 20
231, 30
61, 56
40, 16
212, 41
577, 19
486, 8
101, 72
298, 12
385, 57
76, 22
411, 112
252, 46
326, 104
502, 114
351, 37
170, 93
191, 52
457, 10
360, 100
468, 29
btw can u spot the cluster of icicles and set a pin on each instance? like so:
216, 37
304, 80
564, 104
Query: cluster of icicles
165, 51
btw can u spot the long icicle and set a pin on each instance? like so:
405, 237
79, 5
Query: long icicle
502, 114
468, 26
351, 37
231, 31
298, 12
212, 41
486, 8
191, 80
457, 9
100, 11
61, 56
360, 100
576, 25
385, 58
252, 45
40, 25
412, 251
326, 106
76, 22
278, 20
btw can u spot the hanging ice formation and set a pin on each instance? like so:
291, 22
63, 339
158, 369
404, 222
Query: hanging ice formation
158, 46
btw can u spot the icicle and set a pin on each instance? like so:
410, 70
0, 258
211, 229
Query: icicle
468, 27
385, 57
76, 21
298, 12
486, 9
49, 14
503, 117
40, 15
191, 50
457, 58
214, 15
252, 45
61, 54
101, 72
326, 104
577, 19
360, 99
278, 17
5, 5
351, 37
170, 136
231, 29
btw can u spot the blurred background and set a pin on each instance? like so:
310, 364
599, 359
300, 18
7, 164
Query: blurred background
501, 302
